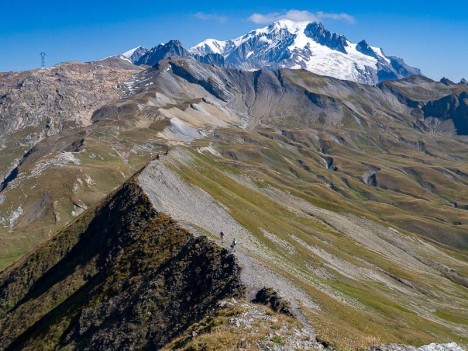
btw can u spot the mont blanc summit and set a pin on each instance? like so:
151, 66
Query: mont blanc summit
309, 46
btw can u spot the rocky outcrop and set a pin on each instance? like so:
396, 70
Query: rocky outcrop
270, 297
242, 326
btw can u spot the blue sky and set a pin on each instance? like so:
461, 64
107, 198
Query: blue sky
431, 35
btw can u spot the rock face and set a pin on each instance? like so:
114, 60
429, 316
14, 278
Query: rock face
318, 33
121, 277
454, 107
447, 81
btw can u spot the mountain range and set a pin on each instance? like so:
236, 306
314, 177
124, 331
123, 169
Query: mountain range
343, 204
288, 44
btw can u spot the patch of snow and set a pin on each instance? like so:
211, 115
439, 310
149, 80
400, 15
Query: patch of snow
2, 199
129, 53
380, 53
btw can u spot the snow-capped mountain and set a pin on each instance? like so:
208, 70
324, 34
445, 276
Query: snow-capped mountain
310, 46
288, 44
134, 54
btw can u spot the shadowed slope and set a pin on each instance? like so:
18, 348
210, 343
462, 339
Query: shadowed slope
120, 276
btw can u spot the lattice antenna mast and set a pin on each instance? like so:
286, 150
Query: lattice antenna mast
43, 55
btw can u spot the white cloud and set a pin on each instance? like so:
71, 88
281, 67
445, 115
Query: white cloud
210, 17
336, 16
297, 15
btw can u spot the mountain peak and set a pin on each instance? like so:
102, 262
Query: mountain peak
173, 42
171, 48
317, 32
446, 81
365, 49
291, 26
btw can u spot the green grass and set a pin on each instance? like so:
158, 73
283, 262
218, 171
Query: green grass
387, 314
451, 315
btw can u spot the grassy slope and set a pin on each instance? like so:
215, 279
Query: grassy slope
370, 309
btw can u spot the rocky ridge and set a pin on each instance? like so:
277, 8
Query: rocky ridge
121, 276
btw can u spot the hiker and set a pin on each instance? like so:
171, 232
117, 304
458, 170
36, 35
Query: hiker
221, 235
234, 243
